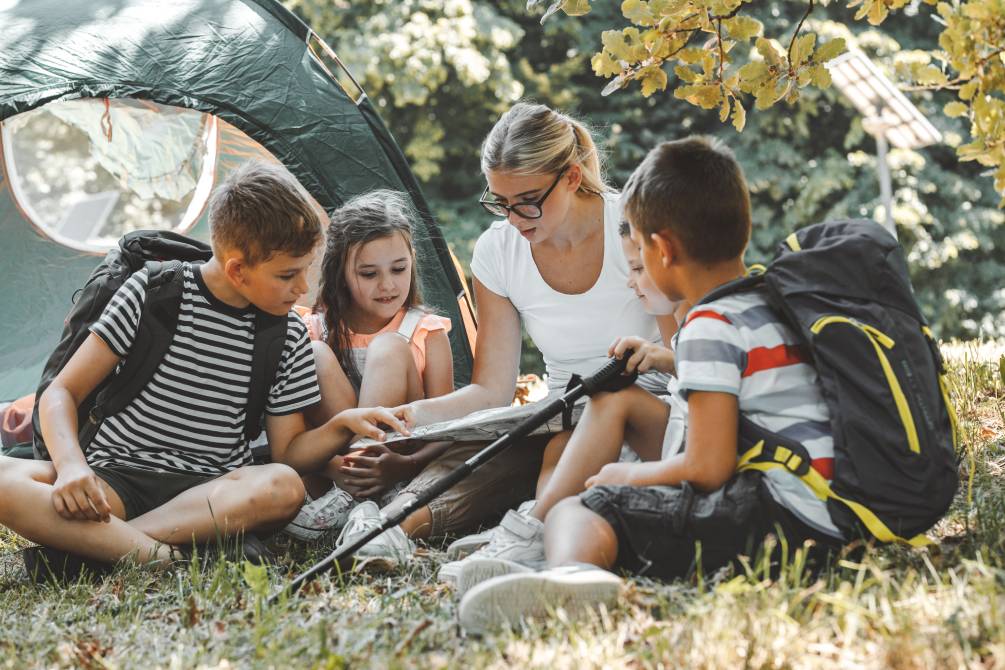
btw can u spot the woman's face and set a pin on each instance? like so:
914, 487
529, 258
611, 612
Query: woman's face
653, 301
510, 189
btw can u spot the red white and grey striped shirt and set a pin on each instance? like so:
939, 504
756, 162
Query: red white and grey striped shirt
737, 345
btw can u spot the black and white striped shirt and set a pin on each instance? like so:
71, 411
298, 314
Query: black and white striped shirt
190, 416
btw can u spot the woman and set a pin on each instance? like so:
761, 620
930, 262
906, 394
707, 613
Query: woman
555, 265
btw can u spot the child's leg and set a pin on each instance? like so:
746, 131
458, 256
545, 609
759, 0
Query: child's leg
337, 392
255, 497
575, 534
26, 508
390, 377
597, 441
552, 454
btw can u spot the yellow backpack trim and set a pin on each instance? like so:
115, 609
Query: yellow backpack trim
822, 490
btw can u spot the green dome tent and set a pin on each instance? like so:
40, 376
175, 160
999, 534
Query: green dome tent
118, 113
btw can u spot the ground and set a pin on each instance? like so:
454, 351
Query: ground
930, 608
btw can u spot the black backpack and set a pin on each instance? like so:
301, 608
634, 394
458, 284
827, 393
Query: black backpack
844, 289
161, 253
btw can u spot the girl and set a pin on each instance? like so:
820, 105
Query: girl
375, 345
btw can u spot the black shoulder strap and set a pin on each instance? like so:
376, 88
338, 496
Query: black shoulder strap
158, 321
270, 339
747, 283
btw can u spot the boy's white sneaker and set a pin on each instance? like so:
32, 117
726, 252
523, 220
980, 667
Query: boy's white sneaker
384, 552
469, 544
329, 512
518, 538
476, 570
505, 601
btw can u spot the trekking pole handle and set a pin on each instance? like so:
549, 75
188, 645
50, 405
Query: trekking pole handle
611, 376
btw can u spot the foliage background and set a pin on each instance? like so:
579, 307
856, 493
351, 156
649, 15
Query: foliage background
442, 71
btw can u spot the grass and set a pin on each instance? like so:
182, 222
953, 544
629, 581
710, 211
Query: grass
931, 608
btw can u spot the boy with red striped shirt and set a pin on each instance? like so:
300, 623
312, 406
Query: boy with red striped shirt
689, 211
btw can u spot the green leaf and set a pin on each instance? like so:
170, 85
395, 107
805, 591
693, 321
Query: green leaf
931, 75
604, 65
802, 48
1001, 369
829, 50
706, 96
686, 74
652, 79
257, 578
820, 77
768, 52
968, 90
576, 7
752, 73
743, 27
615, 44
638, 12
739, 116
954, 109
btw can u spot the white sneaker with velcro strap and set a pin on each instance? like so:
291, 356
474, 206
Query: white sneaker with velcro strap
469, 544
518, 538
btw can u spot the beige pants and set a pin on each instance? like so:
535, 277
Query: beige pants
500, 484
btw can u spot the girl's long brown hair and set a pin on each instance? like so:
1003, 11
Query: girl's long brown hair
367, 217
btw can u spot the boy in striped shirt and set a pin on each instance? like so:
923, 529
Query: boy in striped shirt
689, 211
174, 467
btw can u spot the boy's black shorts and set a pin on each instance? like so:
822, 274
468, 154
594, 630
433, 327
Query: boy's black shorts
143, 490
659, 526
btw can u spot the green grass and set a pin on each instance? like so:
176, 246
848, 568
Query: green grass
932, 608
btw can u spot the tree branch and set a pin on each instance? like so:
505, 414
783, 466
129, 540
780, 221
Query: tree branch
799, 27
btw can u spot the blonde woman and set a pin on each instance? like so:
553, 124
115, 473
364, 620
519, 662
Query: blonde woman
552, 264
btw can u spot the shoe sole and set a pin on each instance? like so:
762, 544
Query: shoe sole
478, 570
302, 533
506, 601
465, 546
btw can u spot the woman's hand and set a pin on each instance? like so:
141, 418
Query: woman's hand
614, 474
78, 495
646, 355
374, 469
367, 421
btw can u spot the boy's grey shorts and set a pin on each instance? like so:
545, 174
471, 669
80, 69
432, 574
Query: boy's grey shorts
659, 527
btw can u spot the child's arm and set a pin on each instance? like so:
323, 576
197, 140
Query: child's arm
76, 493
310, 450
374, 469
647, 355
438, 378
667, 323
709, 457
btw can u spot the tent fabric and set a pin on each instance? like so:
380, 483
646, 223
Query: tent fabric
245, 61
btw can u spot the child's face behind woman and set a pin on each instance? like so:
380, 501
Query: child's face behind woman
653, 302
379, 276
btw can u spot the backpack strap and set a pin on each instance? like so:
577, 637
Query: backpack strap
154, 333
270, 340
764, 450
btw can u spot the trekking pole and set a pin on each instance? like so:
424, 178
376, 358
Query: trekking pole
607, 378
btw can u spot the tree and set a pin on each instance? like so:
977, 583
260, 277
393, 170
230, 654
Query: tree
737, 59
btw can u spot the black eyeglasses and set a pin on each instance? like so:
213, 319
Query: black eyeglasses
525, 210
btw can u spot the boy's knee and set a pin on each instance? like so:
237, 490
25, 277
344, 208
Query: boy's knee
286, 489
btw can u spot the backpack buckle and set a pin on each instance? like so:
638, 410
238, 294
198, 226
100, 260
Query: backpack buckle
793, 462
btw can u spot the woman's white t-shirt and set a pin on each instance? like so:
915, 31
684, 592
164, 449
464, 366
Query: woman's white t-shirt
572, 331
